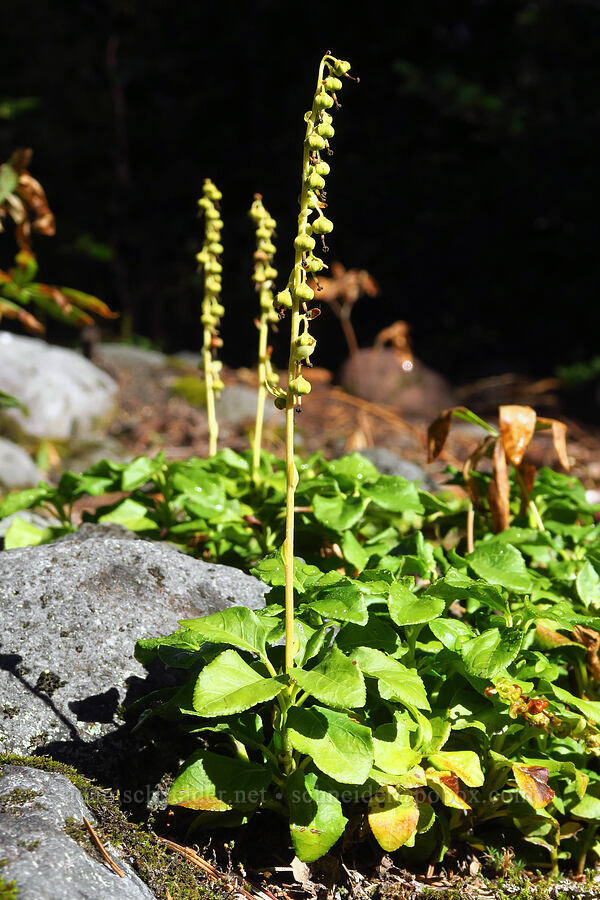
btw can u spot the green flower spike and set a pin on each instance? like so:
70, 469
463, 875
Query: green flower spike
312, 224
212, 309
263, 277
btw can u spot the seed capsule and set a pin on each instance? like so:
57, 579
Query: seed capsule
305, 345
322, 225
326, 131
270, 273
314, 264
280, 402
323, 100
215, 248
304, 242
332, 84
304, 292
322, 168
299, 386
317, 182
315, 141
340, 66
284, 298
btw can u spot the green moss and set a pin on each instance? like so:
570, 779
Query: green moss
192, 388
162, 871
29, 846
16, 798
8, 889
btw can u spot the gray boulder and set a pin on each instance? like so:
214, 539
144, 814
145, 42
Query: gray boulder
44, 860
389, 463
72, 612
237, 404
17, 469
65, 395
128, 356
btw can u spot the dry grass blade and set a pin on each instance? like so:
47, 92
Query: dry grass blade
526, 481
517, 425
470, 465
499, 490
116, 868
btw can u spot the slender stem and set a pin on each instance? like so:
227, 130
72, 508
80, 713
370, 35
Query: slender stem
213, 425
261, 397
290, 467
531, 503
470, 528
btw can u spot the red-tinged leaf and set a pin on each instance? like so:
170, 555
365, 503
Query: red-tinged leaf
559, 438
90, 303
532, 782
447, 786
393, 817
517, 425
12, 311
499, 490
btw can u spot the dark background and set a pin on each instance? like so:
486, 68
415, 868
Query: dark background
465, 178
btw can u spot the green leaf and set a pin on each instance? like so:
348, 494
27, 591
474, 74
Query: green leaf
354, 551
237, 625
453, 633
8, 180
396, 681
7, 401
392, 747
338, 745
376, 633
587, 808
588, 586
463, 763
456, 585
467, 415
343, 602
25, 499
407, 608
271, 571
352, 470
316, 818
178, 650
589, 708
338, 513
131, 515
502, 564
140, 471
334, 681
485, 655
218, 783
394, 494
228, 685
25, 534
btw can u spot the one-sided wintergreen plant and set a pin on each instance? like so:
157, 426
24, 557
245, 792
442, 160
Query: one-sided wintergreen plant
312, 223
263, 277
209, 263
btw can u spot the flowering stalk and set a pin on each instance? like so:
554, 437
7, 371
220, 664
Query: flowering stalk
212, 310
297, 295
263, 277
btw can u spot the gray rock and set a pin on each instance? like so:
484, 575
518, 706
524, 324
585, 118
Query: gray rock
129, 357
17, 469
44, 861
389, 463
237, 404
65, 395
72, 612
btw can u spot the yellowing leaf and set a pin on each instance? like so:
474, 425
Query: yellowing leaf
447, 786
393, 817
532, 782
517, 424
463, 763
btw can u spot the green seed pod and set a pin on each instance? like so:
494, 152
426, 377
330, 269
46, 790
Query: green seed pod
314, 264
217, 384
212, 213
315, 141
259, 276
305, 345
304, 242
322, 168
326, 131
299, 386
340, 66
205, 203
323, 100
326, 118
215, 248
212, 284
218, 309
316, 182
271, 273
322, 225
268, 247
208, 319
213, 266
284, 298
304, 292
332, 84
270, 223
203, 258
280, 402
263, 232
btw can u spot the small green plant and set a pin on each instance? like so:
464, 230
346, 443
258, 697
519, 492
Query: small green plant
212, 309
264, 275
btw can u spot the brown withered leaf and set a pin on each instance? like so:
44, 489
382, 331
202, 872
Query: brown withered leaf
517, 425
471, 463
547, 637
532, 782
12, 311
499, 490
559, 438
437, 434
591, 641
